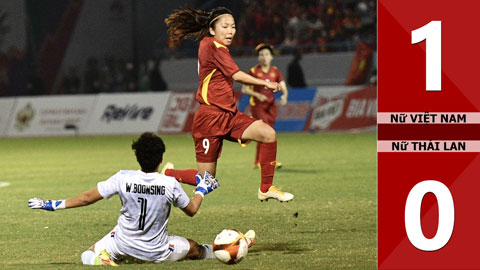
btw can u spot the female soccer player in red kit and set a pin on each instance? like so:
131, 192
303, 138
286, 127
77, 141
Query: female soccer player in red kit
262, 101
218, 117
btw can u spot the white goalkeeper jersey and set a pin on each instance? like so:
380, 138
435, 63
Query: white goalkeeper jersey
146, 202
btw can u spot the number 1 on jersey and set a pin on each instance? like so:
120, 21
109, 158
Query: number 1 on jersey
143, 213
432, 34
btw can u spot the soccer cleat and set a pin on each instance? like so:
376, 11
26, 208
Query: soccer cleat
275, 193
278, 165
250, 235
104, 259
167, 166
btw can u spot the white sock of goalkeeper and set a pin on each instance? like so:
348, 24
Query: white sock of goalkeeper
207, 251
88, 257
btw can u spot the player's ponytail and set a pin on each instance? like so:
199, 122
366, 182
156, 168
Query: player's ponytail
192, 23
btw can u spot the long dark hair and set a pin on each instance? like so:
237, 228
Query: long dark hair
192, 23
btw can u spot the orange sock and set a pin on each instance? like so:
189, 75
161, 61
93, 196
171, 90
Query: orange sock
267, 157
183, 176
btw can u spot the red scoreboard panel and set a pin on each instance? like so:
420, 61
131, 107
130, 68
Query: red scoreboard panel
428, 134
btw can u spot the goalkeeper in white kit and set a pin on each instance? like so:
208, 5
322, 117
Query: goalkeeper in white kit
146, 196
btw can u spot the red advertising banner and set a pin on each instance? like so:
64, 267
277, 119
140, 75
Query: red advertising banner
180, 107
343, 108
428, 135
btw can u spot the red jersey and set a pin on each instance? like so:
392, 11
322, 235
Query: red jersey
273, 75
215, 70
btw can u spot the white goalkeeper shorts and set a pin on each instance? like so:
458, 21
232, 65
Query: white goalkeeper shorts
178, 246
108, 243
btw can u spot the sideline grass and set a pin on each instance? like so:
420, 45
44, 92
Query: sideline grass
331, 224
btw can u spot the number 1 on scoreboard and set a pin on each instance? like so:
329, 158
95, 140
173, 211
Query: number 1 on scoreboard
432, 33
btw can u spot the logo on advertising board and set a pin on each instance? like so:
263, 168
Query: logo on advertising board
294, 110
129, 112
24, 117
326, 113
179, 112
342, 108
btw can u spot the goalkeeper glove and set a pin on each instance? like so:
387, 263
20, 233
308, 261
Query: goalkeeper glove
206, 184
50, 205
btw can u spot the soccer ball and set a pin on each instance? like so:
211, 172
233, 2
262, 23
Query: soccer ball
230, 246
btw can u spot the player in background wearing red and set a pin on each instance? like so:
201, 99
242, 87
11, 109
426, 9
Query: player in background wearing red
262, 101
218, 118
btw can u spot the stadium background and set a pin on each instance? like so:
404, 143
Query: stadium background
69, 48
86, 67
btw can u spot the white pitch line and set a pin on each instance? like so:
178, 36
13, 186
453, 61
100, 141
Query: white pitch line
4, 184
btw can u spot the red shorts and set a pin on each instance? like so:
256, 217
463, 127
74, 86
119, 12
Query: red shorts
267, 112
211, 126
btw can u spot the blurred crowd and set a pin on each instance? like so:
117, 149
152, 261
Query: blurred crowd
113, 75
308, 25
324, 25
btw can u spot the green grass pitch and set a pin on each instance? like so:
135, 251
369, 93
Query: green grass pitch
331, 223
